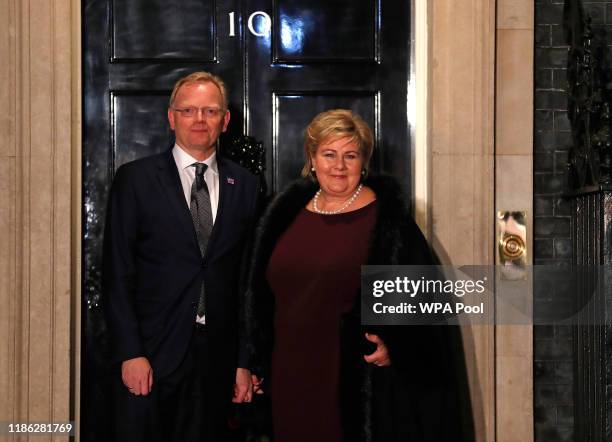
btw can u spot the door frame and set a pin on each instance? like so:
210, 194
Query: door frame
473, 152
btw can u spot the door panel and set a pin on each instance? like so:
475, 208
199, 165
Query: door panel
154, 30
145, 111
291, 114
319, 54
306, 31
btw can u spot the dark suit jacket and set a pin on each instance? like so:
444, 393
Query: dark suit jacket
153, 268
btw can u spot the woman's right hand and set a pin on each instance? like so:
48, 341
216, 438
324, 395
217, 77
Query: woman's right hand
257, 384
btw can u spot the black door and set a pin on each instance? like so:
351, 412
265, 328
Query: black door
283, 61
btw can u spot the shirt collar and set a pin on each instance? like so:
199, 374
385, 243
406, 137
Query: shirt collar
184, 160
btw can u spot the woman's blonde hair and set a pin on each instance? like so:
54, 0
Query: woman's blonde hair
332, 125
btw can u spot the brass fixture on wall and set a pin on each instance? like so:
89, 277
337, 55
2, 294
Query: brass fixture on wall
512, 243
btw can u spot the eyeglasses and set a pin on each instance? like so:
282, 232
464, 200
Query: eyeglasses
207, 112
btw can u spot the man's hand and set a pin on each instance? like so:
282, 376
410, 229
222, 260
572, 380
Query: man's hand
243, 388
381, 356
137, 375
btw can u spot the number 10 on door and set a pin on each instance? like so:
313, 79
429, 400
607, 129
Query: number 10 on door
263, 28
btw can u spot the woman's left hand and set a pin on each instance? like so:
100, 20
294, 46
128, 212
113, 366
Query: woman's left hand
380, 357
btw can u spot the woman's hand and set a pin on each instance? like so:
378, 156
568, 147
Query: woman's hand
257, 384
380, 357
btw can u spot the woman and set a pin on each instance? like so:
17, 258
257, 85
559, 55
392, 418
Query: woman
326, 382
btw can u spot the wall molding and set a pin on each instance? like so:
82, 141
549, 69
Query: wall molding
460, 191
37, 210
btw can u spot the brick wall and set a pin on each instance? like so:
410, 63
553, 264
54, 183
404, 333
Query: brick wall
553, 373
552, 223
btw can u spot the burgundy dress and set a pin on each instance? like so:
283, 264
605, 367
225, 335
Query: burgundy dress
314, 273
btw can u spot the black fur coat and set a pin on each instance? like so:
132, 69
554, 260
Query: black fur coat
423, 395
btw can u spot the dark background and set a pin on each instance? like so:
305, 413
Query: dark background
553, 372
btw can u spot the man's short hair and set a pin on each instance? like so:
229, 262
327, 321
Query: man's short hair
200, 77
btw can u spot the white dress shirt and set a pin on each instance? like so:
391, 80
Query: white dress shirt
186, 171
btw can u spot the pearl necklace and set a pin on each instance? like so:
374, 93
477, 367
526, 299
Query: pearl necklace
350, 201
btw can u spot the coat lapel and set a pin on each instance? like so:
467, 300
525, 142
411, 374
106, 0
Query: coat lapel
171, 185
226, 195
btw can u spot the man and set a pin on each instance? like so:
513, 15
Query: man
176, 237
